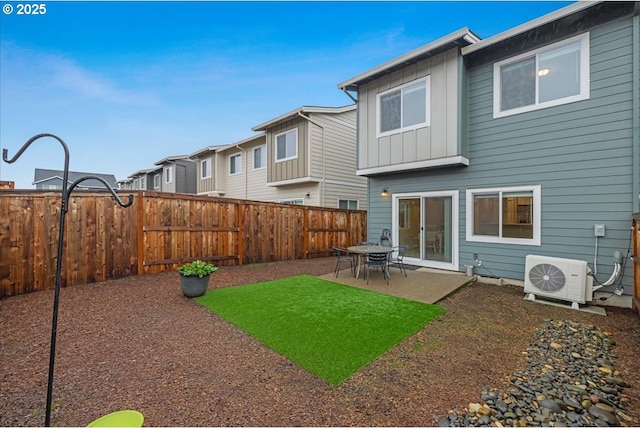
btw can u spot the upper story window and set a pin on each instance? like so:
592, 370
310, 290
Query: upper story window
143, 183
156, 181
205, 168
287, 145
404, 108
549, 76
260, 157
507, 215
168, 174
135, 184
235, 164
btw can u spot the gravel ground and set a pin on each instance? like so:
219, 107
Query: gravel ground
138, 343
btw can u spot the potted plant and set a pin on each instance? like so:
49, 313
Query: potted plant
194, 277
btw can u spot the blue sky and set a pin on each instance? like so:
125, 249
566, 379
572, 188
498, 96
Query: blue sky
126, 84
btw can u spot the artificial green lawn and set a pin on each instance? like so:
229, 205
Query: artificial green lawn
330, 329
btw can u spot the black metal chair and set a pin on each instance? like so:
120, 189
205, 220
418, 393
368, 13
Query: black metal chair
385, 241
377, 260
343, 256
397, 258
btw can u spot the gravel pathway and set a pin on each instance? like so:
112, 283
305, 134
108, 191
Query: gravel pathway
138, 343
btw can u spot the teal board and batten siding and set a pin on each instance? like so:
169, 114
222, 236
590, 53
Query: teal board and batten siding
579, 153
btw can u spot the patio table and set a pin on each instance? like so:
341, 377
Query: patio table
363, 250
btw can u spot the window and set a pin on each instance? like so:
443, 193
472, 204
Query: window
235, 164
135, 184
143, 183
287, 145
347, 204
509, 215
205, 168
168, 175
260, 157
404, 108
156, 181
550, 76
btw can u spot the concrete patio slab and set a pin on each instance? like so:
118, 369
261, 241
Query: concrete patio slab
421, 285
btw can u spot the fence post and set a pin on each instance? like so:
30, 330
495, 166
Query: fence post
140, 231
240, 235
305, 228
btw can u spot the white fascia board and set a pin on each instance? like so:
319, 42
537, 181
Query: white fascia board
293, 181
208, 149
527, 26
463, 33
304, 109
171, 158
252, 139
432, 163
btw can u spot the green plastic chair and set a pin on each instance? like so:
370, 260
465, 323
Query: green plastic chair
121, 418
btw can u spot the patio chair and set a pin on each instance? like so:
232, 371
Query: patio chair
343, 256
367, 243
397, 258
386, 241
377, 260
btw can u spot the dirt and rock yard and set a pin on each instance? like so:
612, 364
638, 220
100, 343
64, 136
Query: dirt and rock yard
138, 343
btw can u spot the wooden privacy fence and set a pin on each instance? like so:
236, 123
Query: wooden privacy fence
157, 233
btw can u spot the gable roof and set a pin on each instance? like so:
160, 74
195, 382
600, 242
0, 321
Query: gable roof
42, 175
251, 139
304, 109
173, 158
567, 17
460, 38
209, 149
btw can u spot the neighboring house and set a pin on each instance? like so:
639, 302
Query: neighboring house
178, 175
49, 179
146, 179
514, 145
209, 176
306, 156
125, 184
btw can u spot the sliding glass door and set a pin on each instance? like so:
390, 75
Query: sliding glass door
427, 224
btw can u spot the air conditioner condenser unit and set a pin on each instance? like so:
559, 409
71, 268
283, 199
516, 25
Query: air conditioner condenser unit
558, 278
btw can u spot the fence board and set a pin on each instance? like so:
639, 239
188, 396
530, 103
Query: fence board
157, 233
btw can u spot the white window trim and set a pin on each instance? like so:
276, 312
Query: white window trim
427, 80
295, 130
349, 200
239, 164
585, 75
537, 211
156, 181
202, 163
168, 174
263, 147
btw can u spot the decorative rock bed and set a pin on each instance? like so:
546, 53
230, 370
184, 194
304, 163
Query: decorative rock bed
569, 380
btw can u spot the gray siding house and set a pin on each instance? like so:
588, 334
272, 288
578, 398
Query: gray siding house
491, 150
146, 179
49, 179
178, 175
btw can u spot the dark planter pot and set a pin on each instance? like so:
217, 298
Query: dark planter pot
194, 286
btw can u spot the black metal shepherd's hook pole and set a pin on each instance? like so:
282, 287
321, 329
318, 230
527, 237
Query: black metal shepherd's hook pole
63, 211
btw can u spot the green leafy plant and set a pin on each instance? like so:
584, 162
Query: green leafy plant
198, 268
